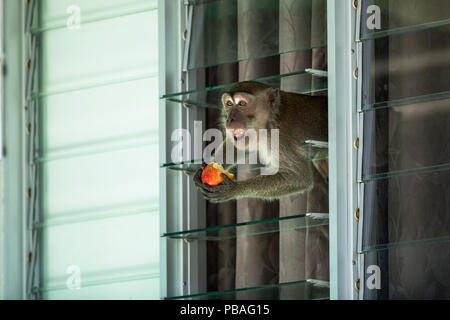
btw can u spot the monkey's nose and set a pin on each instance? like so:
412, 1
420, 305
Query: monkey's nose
229, 123
231, 116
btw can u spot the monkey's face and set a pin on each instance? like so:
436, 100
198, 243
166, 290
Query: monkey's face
246, 114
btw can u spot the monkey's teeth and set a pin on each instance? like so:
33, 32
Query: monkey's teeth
238, 133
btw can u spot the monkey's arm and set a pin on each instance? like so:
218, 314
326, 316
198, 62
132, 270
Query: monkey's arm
272, 186
263, 186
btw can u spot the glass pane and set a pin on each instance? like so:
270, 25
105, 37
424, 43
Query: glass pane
248, 229
56, 13
101, 250
403, 140
391, 204
210, 97
99, 52
115, 114
90, 183
403, 244
407, 101
209, 94
209, 17
105, 212
405, 67
401, 16
317, 151
143, 288
298, 290
413, 273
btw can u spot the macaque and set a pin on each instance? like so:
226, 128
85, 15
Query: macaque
253, 105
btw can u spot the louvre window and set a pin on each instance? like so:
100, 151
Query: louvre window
94, 100
405, 116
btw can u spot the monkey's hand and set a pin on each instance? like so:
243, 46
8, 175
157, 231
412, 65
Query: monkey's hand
220, 193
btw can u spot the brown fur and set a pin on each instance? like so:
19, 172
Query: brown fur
298, 118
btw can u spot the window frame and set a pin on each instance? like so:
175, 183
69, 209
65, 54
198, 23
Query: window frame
343, 60
14, 237
183, 265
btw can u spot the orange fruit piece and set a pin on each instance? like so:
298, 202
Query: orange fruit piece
211, 174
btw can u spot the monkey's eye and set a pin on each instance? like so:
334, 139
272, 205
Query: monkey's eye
229, 103
242, 103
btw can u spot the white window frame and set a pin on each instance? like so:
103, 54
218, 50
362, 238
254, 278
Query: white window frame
13, 234
183, 264
343, 57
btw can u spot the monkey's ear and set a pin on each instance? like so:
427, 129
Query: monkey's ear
273, 96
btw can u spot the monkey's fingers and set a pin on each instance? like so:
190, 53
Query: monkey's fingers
213, 197
198, 177
210, 196
208, 188
227, 180
217, 197
233, 170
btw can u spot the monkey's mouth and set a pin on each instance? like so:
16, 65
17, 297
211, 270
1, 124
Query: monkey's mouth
238, 134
